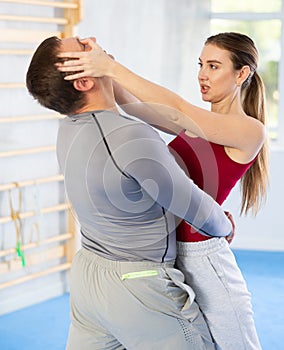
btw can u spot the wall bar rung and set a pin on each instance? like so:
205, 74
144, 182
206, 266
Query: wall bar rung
28, 214
59, 268
63, 5
38, 181
27, 151
13, 18
26, 36
29, 118
16, 52
25, 247
32, 259
12, 85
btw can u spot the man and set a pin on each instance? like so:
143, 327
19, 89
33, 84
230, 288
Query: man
127, 191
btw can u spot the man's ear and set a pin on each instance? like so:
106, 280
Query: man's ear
83, 84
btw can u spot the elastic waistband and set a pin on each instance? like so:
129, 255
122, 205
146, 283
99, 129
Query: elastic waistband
121, 267
201, 248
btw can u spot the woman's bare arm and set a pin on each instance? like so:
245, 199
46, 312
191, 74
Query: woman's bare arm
238, 132
152, 114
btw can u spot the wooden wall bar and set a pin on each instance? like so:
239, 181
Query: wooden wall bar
18, 40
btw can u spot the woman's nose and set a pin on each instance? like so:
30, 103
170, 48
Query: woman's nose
202, 74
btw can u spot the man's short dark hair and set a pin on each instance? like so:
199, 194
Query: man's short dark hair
46, 83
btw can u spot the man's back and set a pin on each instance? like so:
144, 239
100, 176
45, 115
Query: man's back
125, 186
119, 220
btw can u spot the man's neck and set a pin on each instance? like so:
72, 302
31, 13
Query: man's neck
101, 97
97, 107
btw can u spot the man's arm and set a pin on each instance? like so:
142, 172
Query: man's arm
146, 158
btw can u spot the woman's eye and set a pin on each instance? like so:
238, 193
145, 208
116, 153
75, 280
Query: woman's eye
200, 64
212, 66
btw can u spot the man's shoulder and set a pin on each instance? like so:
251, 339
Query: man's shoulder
136, 128
123, 123
110, 123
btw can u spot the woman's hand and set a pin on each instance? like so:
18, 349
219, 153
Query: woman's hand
92, 63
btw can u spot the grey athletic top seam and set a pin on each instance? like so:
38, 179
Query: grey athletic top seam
167, 230
107, 146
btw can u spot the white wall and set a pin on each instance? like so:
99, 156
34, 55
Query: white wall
157, 39
265, 231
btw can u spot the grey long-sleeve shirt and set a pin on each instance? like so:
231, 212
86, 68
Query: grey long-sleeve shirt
127, 189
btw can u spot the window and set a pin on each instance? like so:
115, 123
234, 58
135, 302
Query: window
263, 21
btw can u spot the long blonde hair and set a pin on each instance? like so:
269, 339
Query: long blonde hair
243, 52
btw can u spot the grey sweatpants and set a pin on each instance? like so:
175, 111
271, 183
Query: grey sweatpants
211, 270
133, 306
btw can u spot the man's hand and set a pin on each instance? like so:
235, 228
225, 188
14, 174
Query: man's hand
232, 235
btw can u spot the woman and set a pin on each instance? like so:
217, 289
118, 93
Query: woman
232, 136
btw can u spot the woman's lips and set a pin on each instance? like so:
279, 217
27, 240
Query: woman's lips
204, 89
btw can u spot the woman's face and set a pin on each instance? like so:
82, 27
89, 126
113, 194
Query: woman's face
217, 77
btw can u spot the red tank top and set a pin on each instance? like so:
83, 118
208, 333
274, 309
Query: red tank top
209, 166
